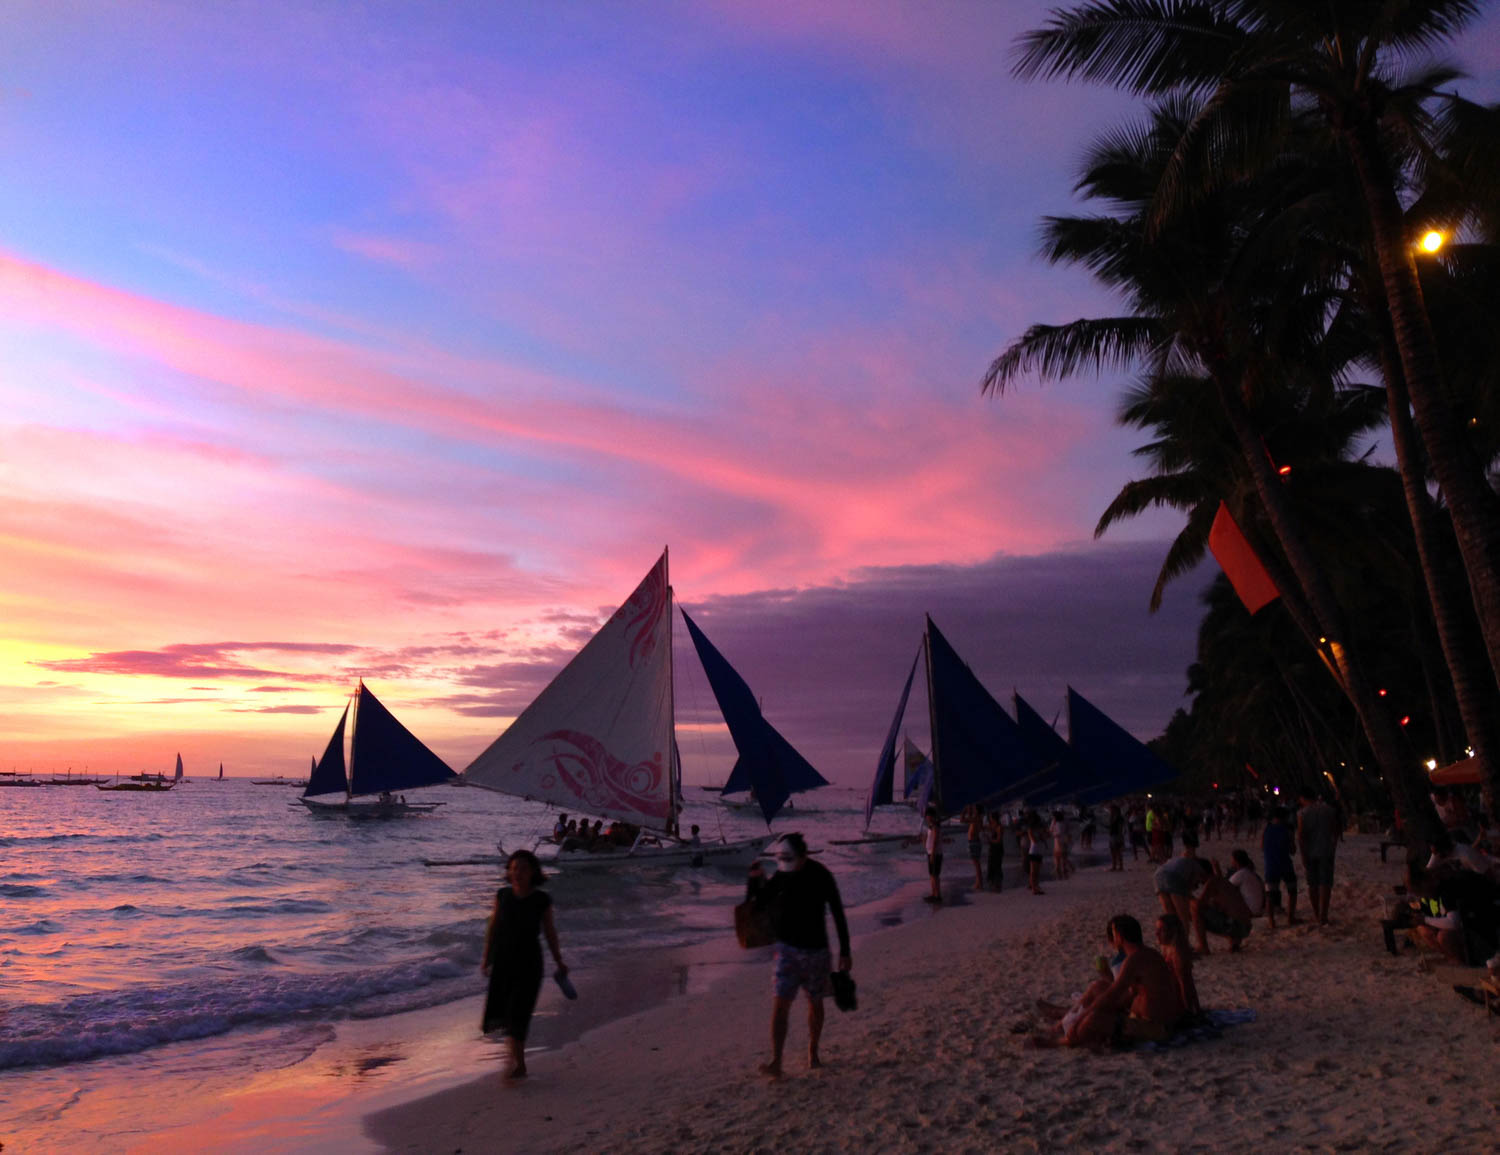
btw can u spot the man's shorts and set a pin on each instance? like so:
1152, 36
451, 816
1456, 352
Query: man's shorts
1282, 872
1318, 871
797, 968
1215, 921
934, 864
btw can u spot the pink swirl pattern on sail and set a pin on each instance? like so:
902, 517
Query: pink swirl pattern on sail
643, 613
602, 783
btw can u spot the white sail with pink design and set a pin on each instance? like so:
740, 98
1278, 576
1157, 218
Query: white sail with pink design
598, 739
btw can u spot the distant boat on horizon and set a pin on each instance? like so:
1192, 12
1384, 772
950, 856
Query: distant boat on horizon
143, 783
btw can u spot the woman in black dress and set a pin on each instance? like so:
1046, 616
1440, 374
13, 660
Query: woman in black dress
513, 954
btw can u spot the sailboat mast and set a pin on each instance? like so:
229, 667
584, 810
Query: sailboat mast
674, 768
937, 758
353, 729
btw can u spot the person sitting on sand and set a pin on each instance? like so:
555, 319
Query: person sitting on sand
1251, 887
1064, 1017
796, 896
1176, 883
1142, 1003
1172, 940
1220, 909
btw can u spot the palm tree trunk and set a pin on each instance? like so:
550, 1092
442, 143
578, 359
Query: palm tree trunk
1459, 473
1474, 685
1398, 767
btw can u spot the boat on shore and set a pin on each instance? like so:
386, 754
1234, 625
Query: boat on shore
384, 757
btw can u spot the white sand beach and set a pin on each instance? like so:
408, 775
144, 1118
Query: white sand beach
1351, 1049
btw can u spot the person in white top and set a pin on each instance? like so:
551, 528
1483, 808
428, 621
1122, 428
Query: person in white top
1250, 885
932, 842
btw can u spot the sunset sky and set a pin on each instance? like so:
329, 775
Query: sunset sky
397, 341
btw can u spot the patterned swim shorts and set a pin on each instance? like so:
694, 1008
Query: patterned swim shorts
796, 968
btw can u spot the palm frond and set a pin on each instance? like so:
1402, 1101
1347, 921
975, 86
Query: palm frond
1145, 46
1055, 351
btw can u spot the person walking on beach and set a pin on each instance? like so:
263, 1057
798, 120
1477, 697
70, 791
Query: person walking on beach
513, 955
1276, 847
1116, 838
995, 866
932, 843
1317, 837
796, 897
973, 817
1035, 850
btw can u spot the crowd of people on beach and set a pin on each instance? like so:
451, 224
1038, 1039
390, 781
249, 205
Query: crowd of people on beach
1138, 991
1142, 992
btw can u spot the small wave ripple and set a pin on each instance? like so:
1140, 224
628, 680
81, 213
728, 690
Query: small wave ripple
124, 1022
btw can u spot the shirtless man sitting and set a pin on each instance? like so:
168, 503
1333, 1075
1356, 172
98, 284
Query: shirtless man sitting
1143, 1002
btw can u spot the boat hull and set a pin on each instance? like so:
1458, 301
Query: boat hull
357, 808
740, 853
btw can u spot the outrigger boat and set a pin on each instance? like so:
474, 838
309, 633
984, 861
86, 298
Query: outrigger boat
384, 757
599, 740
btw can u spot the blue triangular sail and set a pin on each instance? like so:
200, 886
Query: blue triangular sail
1125, 764
976, 746
327, 776
768, 764
385, 755
1066, 774
885, 767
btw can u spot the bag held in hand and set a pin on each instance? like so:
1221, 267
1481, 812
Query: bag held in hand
844, 996
752, 927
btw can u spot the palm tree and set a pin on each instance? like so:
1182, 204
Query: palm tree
1222, 291
1263, 67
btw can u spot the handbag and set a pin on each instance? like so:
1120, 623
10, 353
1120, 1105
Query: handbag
845, 995
752, 927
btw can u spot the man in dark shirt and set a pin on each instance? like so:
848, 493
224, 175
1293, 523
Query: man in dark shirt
796, 896
1317, 838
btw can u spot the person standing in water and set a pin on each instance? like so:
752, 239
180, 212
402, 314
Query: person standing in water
513, 955
796, 897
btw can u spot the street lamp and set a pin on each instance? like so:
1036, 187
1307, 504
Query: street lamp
1432, 241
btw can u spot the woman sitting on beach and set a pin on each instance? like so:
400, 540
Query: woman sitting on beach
1064, 1017
513, 955
1172, 940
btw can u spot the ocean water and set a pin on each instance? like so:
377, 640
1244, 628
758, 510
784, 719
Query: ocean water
131, 922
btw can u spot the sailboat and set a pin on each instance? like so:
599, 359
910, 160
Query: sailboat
177, 774
141, 783
220, 778
599, 740
979, 754
769, 767
384, 757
